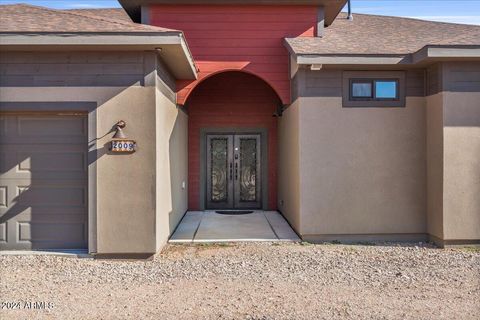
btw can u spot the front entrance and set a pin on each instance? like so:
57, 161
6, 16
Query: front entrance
233, 171
232, 104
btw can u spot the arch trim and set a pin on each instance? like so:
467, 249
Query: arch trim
189, 89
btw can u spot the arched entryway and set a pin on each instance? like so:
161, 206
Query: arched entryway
229, 113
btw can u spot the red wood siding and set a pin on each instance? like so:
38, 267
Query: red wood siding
231, 99
236, 37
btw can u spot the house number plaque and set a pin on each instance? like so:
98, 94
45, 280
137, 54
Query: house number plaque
123, 145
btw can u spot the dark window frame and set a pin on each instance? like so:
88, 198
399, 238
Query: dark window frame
349, 77
359, 81
373, 83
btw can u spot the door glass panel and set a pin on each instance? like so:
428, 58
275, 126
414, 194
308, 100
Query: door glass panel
219, 163
248, 169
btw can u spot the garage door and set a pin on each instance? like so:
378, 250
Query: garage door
43, 182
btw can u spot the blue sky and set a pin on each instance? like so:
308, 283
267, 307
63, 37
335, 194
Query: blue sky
459, 11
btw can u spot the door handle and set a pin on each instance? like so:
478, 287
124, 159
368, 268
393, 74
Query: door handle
236, 170
231, 171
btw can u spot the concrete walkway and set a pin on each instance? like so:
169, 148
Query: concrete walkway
209, 226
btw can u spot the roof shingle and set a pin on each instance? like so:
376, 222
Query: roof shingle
27, 18
110, 13
366, 34
371, 34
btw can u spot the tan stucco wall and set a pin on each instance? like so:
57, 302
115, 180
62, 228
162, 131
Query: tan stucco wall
362, 170
453, 148
125, 219
434, 132
172, 168
139, 196
288, 166
461, 165
125, 184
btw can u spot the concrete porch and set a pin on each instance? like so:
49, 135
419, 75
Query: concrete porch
209, 226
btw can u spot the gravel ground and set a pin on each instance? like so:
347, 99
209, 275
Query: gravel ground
250, 281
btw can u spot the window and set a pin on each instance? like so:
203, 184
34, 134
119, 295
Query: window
362, 89
386, 89
373, 89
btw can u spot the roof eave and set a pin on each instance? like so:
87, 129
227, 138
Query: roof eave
333, 7
349, 59
432, 53
426, 55
173, 47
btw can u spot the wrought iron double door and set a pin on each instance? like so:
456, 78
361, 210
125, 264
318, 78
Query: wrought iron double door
233, 171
